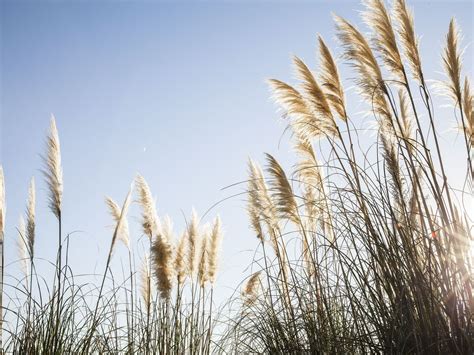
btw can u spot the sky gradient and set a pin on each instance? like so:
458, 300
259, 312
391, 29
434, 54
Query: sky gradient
173, 90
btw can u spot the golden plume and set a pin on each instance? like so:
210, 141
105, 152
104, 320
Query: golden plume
150, 221
392, 165
162, 257
378, 18
282, 192
452, 62
30, 218
145, 276
203, 266
370, 81
181, 258
315, 98
408, 39
53, 171
468, 109
251, 289
298, 108
262, 204
330, 80
254, 205
213, 249
194, 244
406, 118
120, 217
311, 179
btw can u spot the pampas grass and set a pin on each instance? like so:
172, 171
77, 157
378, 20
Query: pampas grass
364, 247
408, 40
150, 222
384, 262
162, 256
30, 218
53, 170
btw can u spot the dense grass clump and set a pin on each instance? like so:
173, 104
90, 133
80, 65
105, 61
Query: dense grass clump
164, 306
365, 247
384, 244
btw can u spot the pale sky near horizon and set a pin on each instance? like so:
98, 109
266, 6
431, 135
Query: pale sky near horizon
173, 90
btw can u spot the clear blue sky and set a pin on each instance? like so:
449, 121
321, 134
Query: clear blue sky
173, 90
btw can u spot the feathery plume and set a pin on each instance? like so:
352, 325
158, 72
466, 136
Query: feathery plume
150, 221
203, 267
315, 98
452, 62
406, 118
2, 204
53, 171
268, 211
162, 257
468, 109
392, 165
194, 244
254, 205
282, 192
30, 218
251, 289
181, 258
120, 217
306, 118
145, 276
261, 205
330, 80
359, 53
408, 39
22, 246
213, 249
377, 17
307, 167
311, 179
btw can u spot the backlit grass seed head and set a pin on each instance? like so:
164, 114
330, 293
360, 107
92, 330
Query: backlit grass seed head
408, 39
181, 258
370, 82
254, 206
282, 191
30, 217
162, 257
213, 247
452, 61
150, 222
261, 204
2, 203
145, 277
203, 267
378, 18
468, 109
406, 117
392, 165
194, 244
251, 289
297, 107
53, 170
119, 214
309, 175
330, 80
315, 98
